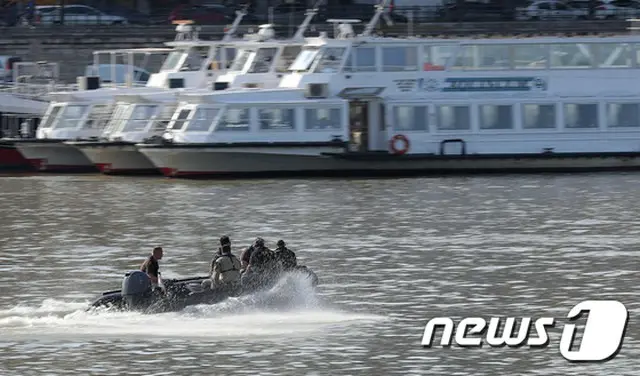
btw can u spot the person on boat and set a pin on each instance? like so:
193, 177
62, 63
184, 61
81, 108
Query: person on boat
262, 266
151, 266
246, 255
225, 270
285, 256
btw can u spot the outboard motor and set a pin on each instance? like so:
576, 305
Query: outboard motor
136, 289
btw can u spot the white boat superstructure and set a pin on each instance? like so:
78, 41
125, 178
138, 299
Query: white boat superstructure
191, 64
360, 102
263, 64
263, 61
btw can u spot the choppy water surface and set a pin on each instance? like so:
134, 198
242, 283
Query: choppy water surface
390, 254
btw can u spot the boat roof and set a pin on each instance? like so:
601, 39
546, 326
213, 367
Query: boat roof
10, 103
149, 50
102, 94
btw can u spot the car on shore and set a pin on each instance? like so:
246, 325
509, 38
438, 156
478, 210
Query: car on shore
76, 15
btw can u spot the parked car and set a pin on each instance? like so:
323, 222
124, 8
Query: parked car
473, 12
6, 67
616, 9
202, 15
77, 15
549, 10
104, 71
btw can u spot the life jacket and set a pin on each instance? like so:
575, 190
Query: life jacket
228, 266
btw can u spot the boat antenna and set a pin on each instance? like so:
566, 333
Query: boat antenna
234, 26
310, 13
376, 18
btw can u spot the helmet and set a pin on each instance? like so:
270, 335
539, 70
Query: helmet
224, 240
281, 243
259, 242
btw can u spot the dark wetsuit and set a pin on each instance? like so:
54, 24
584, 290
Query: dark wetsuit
261, 259
286, 257
246, 255
262, 269
150, 266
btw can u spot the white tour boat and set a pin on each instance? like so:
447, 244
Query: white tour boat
374, 105
191, 63
260, 62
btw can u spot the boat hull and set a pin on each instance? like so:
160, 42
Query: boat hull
11, 160
54, 156
117, 158
213, 162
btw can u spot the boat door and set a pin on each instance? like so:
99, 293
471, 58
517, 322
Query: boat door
365, 125
358, 126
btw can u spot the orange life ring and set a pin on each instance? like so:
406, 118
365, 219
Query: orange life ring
405, 147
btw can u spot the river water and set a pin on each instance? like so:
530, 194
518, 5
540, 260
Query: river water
391, 254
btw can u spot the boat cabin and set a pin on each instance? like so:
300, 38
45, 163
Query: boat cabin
139, 116
261, 64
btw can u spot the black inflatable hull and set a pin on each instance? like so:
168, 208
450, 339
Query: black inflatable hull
183, 293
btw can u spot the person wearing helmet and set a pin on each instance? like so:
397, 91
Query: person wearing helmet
285, 256
261, 268
246, 255
225, 270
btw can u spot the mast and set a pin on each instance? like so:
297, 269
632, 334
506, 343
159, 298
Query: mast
305, 24
234, 26
376, 18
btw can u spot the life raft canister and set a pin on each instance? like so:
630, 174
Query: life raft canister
394, 141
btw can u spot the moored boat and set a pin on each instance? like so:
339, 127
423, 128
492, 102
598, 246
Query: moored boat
259, 63
15, 114
191, 63
360, 104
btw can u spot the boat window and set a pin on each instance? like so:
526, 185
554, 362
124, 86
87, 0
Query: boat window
573, 55
623, 115
139, 118
410, 118
437, 57
361, 59
323, 118
530, 56
581, 115
304, 59
240, 60
162, 120
178, 123
202, 120
496, 116
330, 59
613, 55
263, 60
483, 57
454, 117
234, 119
172, 60
117, 117
399, 59
538, 116
276, 119
196, 57
287, 58
71, 116
98, 117
55, 111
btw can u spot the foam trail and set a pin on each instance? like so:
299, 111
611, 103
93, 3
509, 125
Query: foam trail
290, 308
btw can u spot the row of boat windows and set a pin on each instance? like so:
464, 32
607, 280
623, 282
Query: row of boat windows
503, 116
471, 57
268, 119
405, 117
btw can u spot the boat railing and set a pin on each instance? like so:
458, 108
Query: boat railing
36, 91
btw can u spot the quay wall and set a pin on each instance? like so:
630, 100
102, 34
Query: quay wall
72, 46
